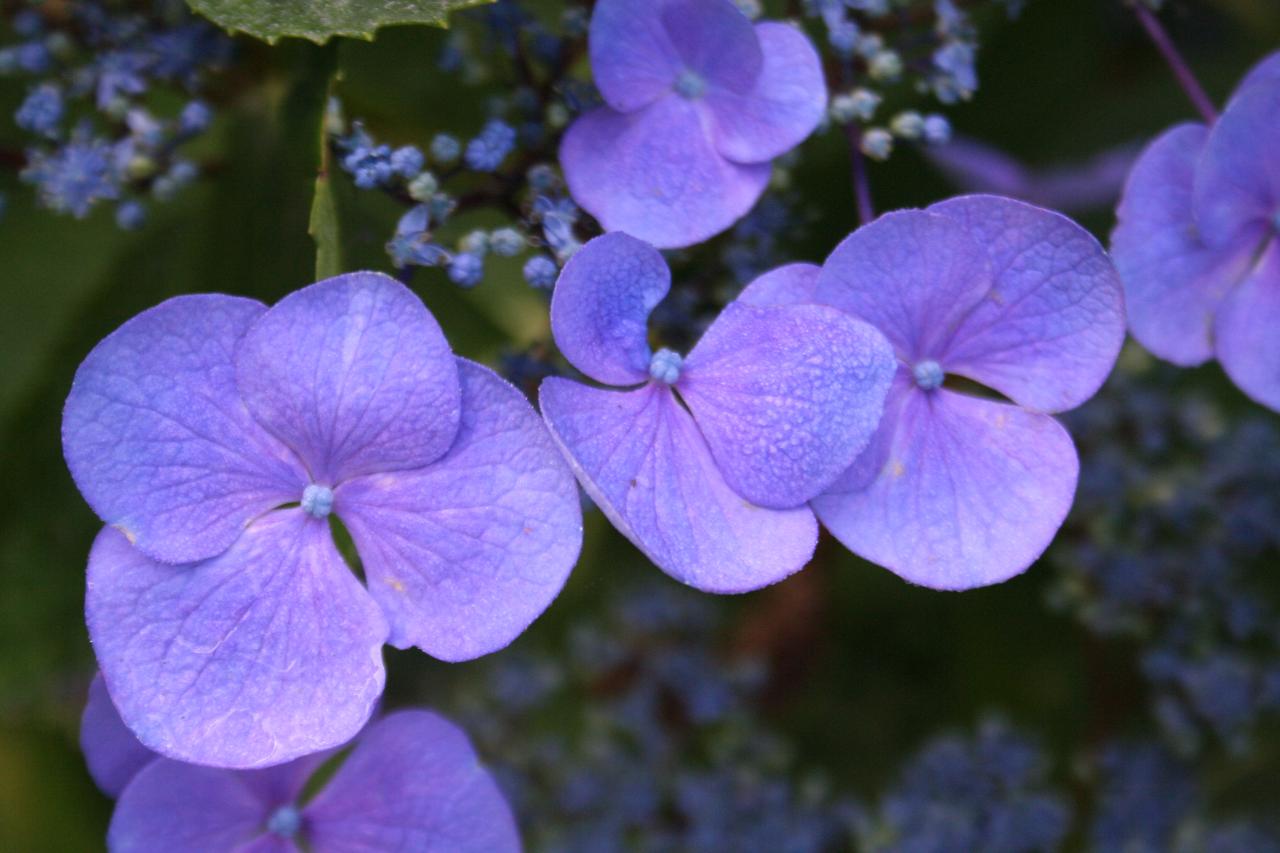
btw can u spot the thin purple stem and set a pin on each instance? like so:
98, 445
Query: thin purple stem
1186, 79
861, 185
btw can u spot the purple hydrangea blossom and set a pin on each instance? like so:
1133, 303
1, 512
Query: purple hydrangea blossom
956, 490
698, 101
216, 437
1198, 240
411, 782
705, 461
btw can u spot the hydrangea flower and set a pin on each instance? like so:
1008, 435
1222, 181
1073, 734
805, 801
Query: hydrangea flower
698, 101
705, 461
1198, 240
217, 437
411, 782
958, 490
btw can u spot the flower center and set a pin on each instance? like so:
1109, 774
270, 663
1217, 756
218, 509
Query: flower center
317, 500
690, 84
928, 374
285, 822
665, 366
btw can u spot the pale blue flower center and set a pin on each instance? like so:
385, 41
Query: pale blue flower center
317, 500
285, 822
928, 374
690, 84
665, 366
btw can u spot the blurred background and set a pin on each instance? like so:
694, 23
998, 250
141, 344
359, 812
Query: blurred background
1124, 693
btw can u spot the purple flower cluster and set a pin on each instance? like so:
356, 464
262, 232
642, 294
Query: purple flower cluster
1198, 240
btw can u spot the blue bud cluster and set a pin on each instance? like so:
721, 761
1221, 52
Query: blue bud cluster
94, 70
1179, 508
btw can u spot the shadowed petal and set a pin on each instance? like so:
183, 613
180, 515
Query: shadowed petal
1248, 330
157, 438
412, 784
1237, 184
1048, 332
464, 554
783, 107
716, 41
656, 175
786, 396
601, 304
269, 651
911, 274
1173, 282
640, 457
354, 374
633, 60
971, 492
112, 752
792, 284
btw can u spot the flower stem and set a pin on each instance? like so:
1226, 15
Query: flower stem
861, 185
1186, 79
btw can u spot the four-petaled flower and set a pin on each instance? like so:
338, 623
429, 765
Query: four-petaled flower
698, 101
706, 462
1197, 241
958, 490
410, 783
216, 437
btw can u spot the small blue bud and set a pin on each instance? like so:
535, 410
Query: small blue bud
937, 129
928, 375
541, 272
877, 143
317, 501
407, 161
542, 177
665, 366
130, 215
41, 112
195, 117
507, 242
466, 270
445, 148
486, 152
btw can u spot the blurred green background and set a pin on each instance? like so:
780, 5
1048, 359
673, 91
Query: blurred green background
872, 665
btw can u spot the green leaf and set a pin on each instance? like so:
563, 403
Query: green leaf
323, 225
318, 20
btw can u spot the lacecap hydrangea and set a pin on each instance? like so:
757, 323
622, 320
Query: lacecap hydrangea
219, 439
698, 101
1198, 240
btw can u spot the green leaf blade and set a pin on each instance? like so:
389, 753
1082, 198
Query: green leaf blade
319, 20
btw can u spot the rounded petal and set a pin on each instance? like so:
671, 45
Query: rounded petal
1237, 185
266, 652
1049, 330
641, 458
354, 374
1173, 282
781, 109
913, 275
158, 440
112, 752
600, 307
633, 60
786, 397
464, 554
186, 808
413, 783
714, 39
971, 491
1247, 330
792, 284
1266, 72
656, 175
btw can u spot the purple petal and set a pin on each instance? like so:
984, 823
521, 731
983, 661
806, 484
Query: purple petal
1248, 330
1237, 186
413, 783
112, 752
793, 284
601, 304
1266, 72
355, 375
633, 60
656, 175
186, 808
971, 492
464, 554
1048, 332
715, 41
269, 651
783, 107
1173, 282
911, 274
641, 458
158, 440
786, 397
